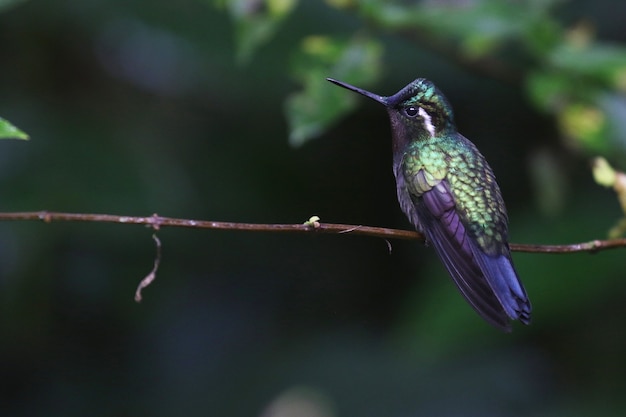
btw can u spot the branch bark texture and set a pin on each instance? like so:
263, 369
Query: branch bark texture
312, 226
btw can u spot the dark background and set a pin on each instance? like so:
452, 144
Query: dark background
138, 107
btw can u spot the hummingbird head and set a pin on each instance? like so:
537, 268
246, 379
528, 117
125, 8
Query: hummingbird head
418, 110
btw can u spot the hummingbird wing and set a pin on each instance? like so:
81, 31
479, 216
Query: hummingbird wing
488, 281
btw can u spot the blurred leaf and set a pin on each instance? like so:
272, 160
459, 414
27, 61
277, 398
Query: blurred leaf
8, 131
312, 110
586, 115
586, 125
542, 35
550, 90
603, 172
479, 26
618, 230
605, 175
256, 21
604, 63
589, 115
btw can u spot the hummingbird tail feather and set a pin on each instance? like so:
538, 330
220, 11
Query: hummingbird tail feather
468, 278
503, 279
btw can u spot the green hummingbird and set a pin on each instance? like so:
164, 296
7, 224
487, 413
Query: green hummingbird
448, 191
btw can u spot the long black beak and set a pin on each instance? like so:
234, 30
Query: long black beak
381, 99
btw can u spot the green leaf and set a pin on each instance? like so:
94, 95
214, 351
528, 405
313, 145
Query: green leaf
602, 62
591, 117
8, 131
312, 110
546, 89
478, 26
256, 21
587, 125
603, 173
549, 90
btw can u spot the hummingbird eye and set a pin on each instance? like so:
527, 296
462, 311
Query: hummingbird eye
411, 111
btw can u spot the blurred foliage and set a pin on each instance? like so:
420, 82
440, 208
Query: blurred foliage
8, 131
312, 110
255, 21
607, 176
178, 108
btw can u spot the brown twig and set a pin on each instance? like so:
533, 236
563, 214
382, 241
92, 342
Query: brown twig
157, 222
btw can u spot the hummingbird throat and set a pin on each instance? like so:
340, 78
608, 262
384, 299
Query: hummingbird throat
428, 121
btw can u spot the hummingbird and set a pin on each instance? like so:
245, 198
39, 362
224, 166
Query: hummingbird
449, 193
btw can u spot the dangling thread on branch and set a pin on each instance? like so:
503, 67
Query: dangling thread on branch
152, 275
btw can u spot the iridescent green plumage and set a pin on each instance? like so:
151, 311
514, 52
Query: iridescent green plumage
449, 192
471, 182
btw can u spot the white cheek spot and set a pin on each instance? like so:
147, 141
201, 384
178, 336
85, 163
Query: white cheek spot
428, 121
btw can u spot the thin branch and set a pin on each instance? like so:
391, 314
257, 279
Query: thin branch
156, 222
